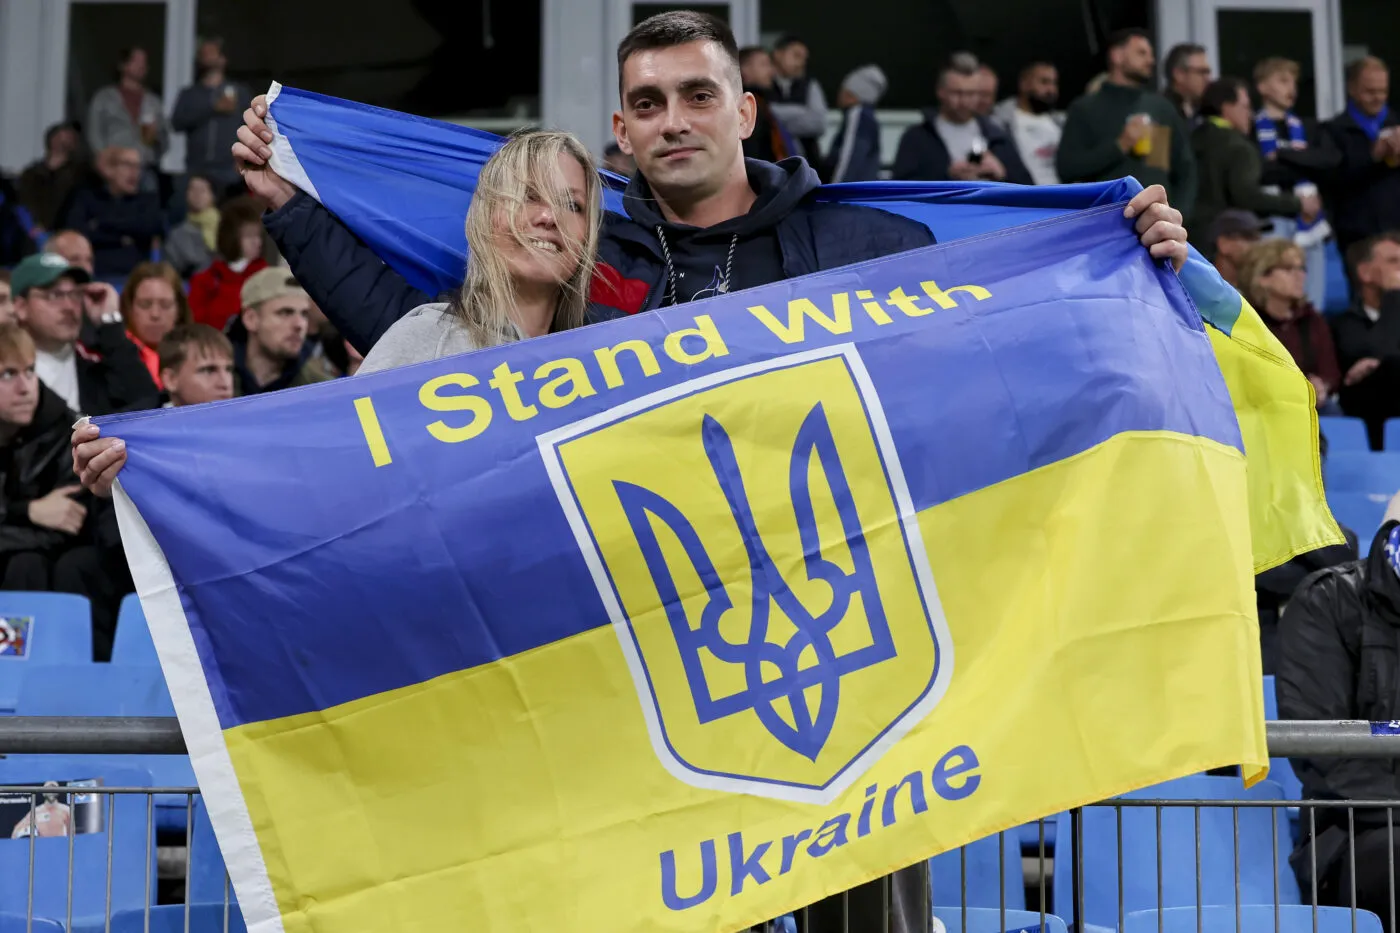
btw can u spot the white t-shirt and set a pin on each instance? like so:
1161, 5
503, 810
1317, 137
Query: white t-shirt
960, 138
1037, 137
59, 371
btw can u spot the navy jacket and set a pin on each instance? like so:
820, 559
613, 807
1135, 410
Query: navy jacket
855, 153
923, 156
1363, 196
363, 297
121, 228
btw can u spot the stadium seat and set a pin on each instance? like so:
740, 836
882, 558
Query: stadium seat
1392, 434
40, 628
205, 869
1280, 769
1253, 918
115, 690
123, 825
132, 644
1338, 297
1361, 512
989, 920
1030, 838
17, 923
1377, 473
1345, 434
1262, 864
169, 918
987, 865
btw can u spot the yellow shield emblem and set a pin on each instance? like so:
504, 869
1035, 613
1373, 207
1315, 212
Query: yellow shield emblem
752, 537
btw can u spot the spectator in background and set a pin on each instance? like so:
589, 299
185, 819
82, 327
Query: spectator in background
1228, 162
1274, 279
46, 185
153, 304
126, 115
769, 141
15, 225
196, 366
618, 162
855, 153
1126, 129
1365, 191
953, 142
1187, 71
51, 298
272, 351
1228, 241
1033, 122
1367, 335
797, 100
190, 246
209, 112
53, 535
73, 247
7, 302
216, 293
1293, 161
120, 220
987, 83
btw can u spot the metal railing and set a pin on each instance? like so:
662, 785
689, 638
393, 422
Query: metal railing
1138, 864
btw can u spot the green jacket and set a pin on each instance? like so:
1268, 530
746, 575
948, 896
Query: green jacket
1229, 165
1089, 145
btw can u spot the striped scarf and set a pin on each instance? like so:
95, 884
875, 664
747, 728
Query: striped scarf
1266, 132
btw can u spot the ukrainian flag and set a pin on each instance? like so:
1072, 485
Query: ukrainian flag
403, 183
684, 621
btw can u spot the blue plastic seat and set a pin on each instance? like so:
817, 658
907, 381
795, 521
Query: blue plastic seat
1254, 918
1262, 863
116, 690
989, 920
1338, 296
132, 644
1030, 838
1280, 769
40, 628
169, 918
988, 862
1392, 434
1361, 512
123, 826
205, 871
1376, 473
16, 923
1345, 434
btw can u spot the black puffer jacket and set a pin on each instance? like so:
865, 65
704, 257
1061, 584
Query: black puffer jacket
35, 463
1339, 658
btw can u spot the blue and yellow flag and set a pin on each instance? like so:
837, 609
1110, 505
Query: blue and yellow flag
403, 184
684, 621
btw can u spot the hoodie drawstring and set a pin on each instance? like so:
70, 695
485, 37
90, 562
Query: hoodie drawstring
671, 289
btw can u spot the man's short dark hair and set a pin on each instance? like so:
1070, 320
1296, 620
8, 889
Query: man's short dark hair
184, 340
748, 52
1362, 64
677, 27
787, 39
1032, 66
1362, 251
1121, 37
1220, 92
1176, 58
960, 63
54, 130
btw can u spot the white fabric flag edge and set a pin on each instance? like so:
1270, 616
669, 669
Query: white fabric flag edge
284, 159
194, 707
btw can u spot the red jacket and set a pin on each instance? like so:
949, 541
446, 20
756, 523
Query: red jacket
150, 357
1309, 340
215, 293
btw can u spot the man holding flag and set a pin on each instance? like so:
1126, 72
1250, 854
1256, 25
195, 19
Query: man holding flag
701, 220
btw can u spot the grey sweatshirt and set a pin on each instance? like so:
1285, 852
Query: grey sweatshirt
428, 332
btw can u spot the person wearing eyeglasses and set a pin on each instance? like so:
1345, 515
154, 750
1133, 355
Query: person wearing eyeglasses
51, 299
1274, 277
1187, 70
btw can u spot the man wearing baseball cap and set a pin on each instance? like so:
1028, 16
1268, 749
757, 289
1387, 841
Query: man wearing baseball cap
270, 349
1229, 237
51, 300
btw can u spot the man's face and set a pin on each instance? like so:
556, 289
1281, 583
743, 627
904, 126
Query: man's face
52, 315
1234, 246
1135, 60
1370, 90
210, 57
757, 70
124, 172
7, 304
74, 247
1191, 77
791, 60
1279, 89
280, 325
986, 91
958, 95
1382, 270
134, 67
203, 376
1042, 84
63, 142
1240, 113
19, 390
683, 118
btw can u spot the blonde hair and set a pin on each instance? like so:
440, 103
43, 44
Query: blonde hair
1269, 67
525, 167
16, 346
1263, 257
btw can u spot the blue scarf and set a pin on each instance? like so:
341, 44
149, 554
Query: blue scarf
1392, 549
1266, 132
1371, 126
